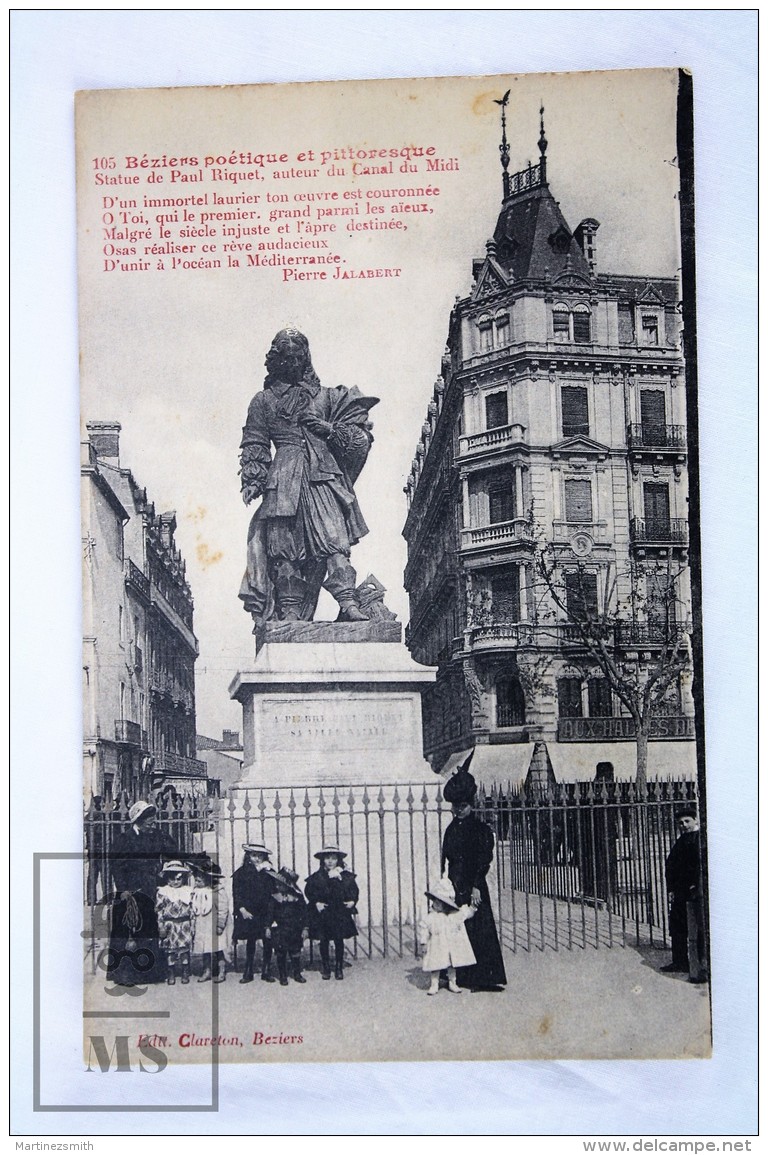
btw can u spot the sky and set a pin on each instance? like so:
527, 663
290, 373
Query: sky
175, 356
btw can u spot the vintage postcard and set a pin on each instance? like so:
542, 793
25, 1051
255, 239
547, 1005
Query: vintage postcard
392, 732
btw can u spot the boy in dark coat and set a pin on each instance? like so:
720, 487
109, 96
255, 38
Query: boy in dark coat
332, 895
468, 854
287, 920
252, 888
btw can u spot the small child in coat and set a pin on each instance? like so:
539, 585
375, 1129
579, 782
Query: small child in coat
287, 920
448, 944
210, 904
176, 918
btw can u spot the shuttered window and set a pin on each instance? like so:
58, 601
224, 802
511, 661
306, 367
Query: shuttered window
578, 501
575, 410
581, 594
496, 411
599, 697
505, 595
569, 697
501, 504
582, 328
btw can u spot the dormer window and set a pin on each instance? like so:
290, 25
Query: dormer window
571, 325
650, 328
485, 327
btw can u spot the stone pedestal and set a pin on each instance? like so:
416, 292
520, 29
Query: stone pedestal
331, 703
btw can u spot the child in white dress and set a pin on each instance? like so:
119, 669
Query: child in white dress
447, 945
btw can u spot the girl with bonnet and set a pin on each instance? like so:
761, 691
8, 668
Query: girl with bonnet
332, 895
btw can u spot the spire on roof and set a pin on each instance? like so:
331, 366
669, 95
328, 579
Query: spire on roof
543, 147
504, 146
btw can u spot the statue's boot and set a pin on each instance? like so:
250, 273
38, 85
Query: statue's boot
340, 583
290, 594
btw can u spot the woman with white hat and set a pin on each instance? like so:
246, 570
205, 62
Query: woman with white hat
332, 895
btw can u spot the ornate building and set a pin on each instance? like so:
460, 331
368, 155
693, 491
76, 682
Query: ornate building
139, 649
557, 429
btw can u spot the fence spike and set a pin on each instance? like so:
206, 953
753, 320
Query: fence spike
277, 804
410, 800
307, 804
291, 803
247, 803
262, 806
336, 801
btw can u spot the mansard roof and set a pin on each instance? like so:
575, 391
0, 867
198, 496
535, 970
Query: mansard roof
532, 238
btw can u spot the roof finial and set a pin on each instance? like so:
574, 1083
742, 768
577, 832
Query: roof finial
504, 147
543, 146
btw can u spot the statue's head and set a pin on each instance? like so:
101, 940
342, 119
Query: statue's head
288, 357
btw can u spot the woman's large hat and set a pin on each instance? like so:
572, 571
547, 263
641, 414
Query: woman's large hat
204, 864
175, 868
443, 891
286, 878
462, 787
330, 850
139, 811
256, 848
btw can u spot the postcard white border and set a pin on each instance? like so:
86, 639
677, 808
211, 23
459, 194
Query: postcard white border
55, 53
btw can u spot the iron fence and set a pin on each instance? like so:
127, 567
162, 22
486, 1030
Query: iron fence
575, 865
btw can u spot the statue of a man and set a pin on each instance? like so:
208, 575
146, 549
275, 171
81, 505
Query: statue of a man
300, 537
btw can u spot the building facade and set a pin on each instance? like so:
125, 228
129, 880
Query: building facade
139, 648
556, 430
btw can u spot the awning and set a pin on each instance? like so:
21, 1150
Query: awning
575, 761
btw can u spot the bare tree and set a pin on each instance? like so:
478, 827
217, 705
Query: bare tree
639, 642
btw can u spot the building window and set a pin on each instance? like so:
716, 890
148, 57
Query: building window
578, 501
569, 697
561, 325
485, 327
496, 410
501, 321
575, 411
120, 624
505, 595
581, 595
656, 510
501, 504
571, 325
510, 703
626, 324
582, 325
650, 329
599, 698
653, 416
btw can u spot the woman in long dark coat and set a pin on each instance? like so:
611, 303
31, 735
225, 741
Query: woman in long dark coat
135, 860
332, 895
467, 855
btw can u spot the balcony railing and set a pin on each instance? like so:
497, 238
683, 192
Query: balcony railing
179, 766
130, 733
502, 533
621, 729
629, 634
491, 439
137, 578
652, 436
658, 531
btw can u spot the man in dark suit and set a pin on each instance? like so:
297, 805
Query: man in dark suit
686, 914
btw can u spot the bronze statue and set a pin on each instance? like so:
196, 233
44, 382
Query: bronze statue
301, 536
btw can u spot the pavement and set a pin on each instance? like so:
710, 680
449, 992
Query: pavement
588, 1002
